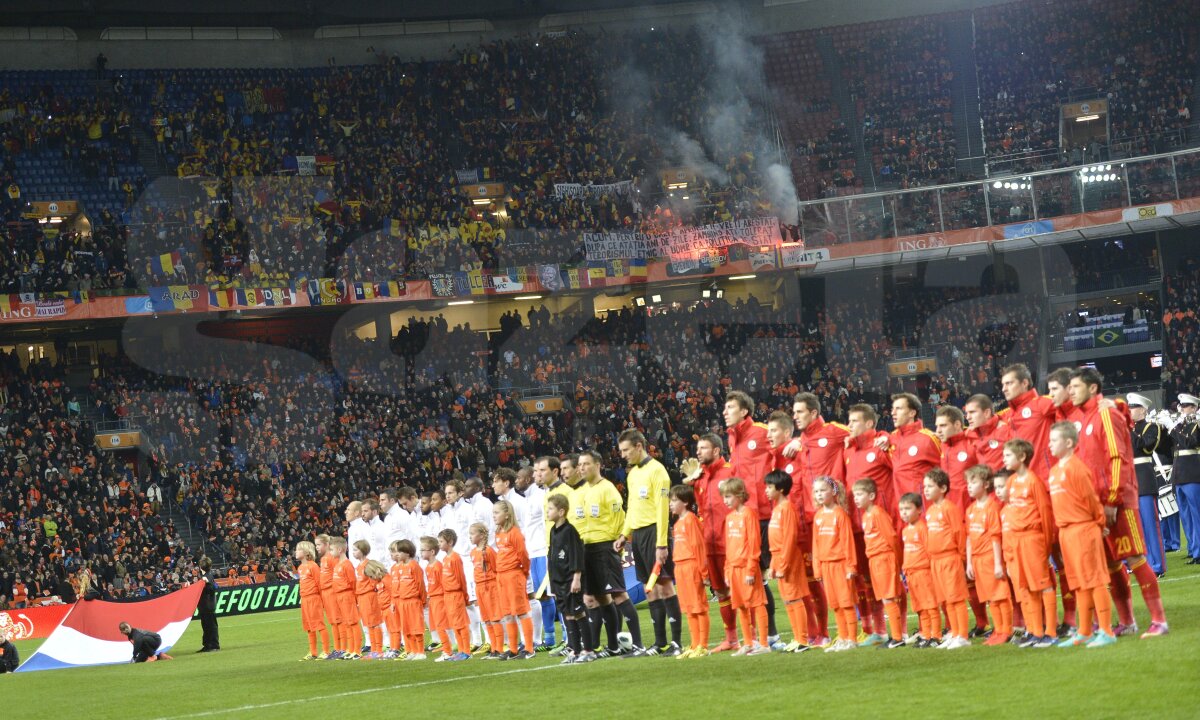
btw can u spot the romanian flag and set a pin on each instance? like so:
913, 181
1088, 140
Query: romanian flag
167, 263
475, 279
637, 269
181, 296
575, 278
220, 298
597, 273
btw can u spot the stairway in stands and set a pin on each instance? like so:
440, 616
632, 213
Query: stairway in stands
846, 111
968, 131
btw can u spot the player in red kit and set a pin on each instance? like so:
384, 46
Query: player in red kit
1028, 415
915, 450
865, 460
705, 473
750, 456
1107, 450
820, 446
987, 431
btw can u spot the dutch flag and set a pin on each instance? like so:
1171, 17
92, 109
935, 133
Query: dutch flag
88, 635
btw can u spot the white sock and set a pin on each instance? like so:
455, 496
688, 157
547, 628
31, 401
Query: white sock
366, 635
473, 616
535, 611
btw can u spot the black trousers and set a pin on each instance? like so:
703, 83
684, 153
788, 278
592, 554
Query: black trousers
208, 622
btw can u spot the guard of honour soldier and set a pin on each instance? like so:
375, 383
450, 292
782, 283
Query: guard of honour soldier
996, 514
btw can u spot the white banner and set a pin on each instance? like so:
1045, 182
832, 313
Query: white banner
681, 241
577, 190
306, 164
794, 255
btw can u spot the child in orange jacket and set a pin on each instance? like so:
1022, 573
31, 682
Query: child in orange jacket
309, 574
835, 559
985, 555
785, 535
347, 604
436, 595
1029, 535
691, 569
329, 604
918, 572
483, 560
367, 600
743, 549
454, 594
512, 579
947, 551
881, 545
1081, 528
408, 598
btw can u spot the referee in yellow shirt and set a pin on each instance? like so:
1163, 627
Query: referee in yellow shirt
603, 576
648, 530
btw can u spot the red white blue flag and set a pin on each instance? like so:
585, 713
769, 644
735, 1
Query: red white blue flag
89, 634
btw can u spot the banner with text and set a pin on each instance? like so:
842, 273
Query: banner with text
624, 187
261, 597
681, 242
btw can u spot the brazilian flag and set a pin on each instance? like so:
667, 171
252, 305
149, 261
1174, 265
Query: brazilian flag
1108, 337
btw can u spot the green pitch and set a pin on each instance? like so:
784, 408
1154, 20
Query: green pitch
257, 675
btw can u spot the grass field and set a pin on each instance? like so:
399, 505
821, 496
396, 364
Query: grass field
257, 675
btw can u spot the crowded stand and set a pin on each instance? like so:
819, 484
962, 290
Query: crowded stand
246, 213
1181, 357
899, 75
1032, 57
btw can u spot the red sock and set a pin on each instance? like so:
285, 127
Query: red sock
819, 627
728, 619
881, 625
1148, 584
978, 609
1122, 594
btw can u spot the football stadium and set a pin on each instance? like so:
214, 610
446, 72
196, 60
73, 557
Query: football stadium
503, 358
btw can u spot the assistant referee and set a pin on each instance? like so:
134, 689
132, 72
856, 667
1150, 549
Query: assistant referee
603, 577
648, 529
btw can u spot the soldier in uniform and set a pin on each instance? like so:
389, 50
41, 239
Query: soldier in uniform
1151, 446
1186, 472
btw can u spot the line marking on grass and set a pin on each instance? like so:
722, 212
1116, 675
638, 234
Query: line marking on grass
352, 693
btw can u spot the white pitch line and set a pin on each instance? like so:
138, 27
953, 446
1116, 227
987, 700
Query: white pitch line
352, 693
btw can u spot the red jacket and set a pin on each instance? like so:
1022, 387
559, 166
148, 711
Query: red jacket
824, 447
1029, 417
1106, 449
711, 505
989, 439
750, 456
801, 495
958, 454
914, 451
864, 460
